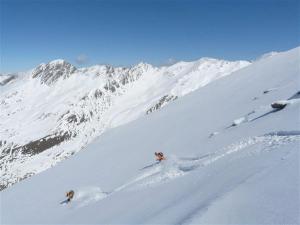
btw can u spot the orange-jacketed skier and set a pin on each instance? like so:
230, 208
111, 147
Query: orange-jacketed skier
70, 195
159, 156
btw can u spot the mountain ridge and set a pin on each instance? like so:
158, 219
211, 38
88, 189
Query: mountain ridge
224, 144
55, 109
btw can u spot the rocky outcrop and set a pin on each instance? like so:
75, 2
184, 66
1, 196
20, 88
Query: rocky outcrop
162, 102
5, 79
42, 144
11, 153
49, 73
279, 105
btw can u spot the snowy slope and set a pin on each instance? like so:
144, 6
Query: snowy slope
55, 109
231, 158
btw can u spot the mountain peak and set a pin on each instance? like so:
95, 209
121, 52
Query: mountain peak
52, 71
142, 66
58, 61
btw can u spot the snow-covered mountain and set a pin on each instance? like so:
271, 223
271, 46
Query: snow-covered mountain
231, 157
56, 109
5, 79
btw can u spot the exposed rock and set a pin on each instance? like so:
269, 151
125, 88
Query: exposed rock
3, 186
98, 93
162, 102
42, 144
49, 73
5, 79
269, 90
279, 104
72, 119
111, 86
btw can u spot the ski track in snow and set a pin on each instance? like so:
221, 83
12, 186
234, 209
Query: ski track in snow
174, 167
88, 195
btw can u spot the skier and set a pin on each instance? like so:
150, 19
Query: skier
159, 156
70, 195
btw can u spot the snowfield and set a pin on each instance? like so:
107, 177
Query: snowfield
55, 109
231, 157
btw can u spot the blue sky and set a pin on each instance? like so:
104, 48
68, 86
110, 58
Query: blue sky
125, 32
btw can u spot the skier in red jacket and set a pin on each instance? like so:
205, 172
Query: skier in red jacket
159, 156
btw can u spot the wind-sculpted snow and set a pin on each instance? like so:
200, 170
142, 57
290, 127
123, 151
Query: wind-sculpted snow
57, 103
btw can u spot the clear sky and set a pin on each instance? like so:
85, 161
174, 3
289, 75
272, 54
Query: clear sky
125, 32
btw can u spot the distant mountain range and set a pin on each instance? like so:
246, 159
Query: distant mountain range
54, 110
231, 145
